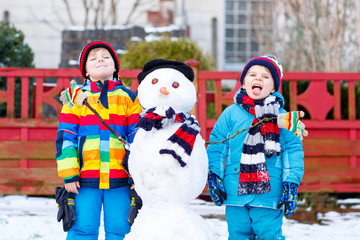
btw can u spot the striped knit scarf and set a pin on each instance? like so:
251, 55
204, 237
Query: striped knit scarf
180, 144
261, 140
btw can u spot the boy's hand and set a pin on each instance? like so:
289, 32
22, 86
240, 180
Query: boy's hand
73, 95
216, 188
66, 205
291, 121
72, 187
289, 198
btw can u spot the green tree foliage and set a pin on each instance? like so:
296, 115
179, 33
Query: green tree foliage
138, 53
14, 53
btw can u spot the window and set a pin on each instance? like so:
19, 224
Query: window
241, 28
229, 33
242, 33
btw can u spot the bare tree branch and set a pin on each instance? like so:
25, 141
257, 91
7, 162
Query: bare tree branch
319, 34
102, 12
86, 8
59, 17
97, 9
342, 34
113, 14
68, 10
136, 4
357, 9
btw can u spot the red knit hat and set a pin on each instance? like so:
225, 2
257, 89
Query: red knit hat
97, 44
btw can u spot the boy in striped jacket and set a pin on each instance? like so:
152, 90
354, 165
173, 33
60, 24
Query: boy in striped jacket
89, 157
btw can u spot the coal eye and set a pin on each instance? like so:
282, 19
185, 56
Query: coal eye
154, 81
175, 85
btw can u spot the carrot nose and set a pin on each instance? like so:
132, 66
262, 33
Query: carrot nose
164, 91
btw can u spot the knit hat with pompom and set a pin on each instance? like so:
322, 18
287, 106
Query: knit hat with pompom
270, 62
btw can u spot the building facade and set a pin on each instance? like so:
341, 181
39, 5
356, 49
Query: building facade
224, 29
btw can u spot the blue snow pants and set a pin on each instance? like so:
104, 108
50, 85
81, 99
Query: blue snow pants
246, 223
88, 204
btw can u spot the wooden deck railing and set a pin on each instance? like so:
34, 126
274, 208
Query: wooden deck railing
332, 150
27, 144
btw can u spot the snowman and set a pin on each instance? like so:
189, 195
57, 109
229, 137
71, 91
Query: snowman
168, 161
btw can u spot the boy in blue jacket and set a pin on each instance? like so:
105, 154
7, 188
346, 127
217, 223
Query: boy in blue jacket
257, 172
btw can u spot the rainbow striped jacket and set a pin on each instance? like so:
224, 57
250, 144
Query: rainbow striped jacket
86, 150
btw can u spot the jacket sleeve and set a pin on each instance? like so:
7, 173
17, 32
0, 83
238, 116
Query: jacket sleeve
66, 144
217, 152
292, 157
133, 112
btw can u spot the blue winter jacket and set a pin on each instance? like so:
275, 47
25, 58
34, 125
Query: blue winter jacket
224, 158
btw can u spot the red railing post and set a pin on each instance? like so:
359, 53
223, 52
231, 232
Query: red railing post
39, 104
351, 100
337, 97
195, 67
201, 106
10, 96
25, 97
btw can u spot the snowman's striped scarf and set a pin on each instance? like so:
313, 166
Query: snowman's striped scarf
261, 140
181, 143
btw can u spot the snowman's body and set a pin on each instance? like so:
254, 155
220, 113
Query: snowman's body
163, 184
164, 221
160, 177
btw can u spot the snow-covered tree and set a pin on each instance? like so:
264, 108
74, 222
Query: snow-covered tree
14, 52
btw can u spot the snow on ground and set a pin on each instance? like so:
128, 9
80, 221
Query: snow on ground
33, 218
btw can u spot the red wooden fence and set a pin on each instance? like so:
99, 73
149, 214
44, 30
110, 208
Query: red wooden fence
27, 145
332, 151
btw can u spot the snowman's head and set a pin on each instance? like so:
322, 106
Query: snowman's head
164, 83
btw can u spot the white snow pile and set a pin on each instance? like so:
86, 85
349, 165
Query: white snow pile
34, 218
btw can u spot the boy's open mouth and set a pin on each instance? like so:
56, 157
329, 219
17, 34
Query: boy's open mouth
256, 88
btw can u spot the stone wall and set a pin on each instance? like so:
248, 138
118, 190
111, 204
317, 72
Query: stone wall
74, 40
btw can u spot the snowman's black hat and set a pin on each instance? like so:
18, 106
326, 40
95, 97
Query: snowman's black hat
163, 63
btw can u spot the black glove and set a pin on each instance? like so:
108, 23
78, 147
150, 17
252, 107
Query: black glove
66, 205
135, 206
